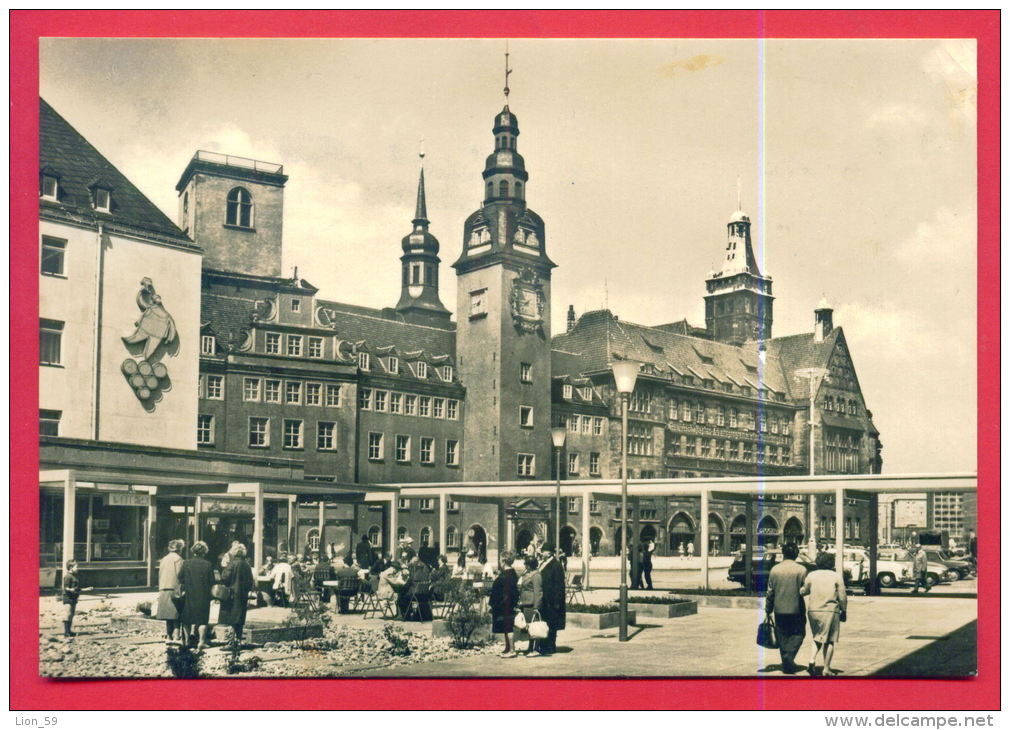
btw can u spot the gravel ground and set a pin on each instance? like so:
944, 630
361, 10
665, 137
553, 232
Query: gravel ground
343, 650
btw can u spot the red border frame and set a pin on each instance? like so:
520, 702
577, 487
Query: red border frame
29, 692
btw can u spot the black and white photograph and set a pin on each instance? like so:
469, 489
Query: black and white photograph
392, 357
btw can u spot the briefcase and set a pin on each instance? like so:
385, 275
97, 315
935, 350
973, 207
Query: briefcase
767, 635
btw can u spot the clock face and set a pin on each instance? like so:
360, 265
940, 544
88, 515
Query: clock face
529, 303
527, 300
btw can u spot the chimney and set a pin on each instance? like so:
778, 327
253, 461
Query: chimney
571, 317
822, 320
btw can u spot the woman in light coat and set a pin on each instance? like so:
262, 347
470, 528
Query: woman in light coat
169, 590
825, 610
531, 597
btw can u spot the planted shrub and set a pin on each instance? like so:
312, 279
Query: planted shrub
595, 608
182, 662
398, 643
144, 607
466, 617
659, 599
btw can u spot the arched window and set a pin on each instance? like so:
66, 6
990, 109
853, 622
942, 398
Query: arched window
451, 537
312, 538
375, 536
401, 532
503, 189
240, 208
425, 537
519, 189
490, 189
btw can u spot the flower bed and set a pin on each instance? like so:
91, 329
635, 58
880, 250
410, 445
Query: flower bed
605, 616
664, 607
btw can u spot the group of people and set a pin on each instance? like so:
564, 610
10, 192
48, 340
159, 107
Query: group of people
187, 586
535, 588
796, 597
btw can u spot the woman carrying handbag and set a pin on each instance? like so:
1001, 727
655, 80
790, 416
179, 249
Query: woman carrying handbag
531, 598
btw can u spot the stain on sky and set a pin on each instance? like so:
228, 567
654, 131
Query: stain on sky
695, 63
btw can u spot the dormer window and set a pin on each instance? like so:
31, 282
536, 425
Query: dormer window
446, 372
566, 392
102, 199
422, 370
50, 187
240, 208
296, 305
364, 361
207, 345
393, 365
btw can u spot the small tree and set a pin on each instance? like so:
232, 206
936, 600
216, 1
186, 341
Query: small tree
399, 645
183, 662
467, 616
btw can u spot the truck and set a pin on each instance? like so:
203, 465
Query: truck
934, 537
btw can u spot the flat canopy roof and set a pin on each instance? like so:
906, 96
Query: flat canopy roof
756, 486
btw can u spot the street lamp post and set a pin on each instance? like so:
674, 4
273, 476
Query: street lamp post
625, 375
558, 434
813, 375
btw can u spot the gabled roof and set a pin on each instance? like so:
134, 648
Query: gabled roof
599, 337
375, 327
67, 155
797, 352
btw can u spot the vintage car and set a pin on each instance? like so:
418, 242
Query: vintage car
935, 572
958, 568
890, 572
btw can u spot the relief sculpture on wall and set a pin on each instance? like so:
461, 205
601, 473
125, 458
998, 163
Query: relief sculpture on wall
154, 336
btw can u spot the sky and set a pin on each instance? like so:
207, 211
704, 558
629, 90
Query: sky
856, 162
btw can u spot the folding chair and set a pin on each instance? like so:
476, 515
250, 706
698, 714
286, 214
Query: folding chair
419, 592
575, 592
347, 589
365, 599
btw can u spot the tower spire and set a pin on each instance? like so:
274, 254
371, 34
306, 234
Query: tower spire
421, 211
507, 72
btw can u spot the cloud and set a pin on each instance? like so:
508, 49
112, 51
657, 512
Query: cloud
695, 63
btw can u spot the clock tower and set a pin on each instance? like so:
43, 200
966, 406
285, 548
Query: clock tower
503, 316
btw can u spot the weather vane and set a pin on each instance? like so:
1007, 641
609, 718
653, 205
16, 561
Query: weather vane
420, 152
507, 71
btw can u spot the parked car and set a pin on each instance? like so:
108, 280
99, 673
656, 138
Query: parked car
761, 564
890, 572
935, 572
959, 569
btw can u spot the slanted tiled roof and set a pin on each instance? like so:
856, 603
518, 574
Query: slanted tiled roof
354, 323
796, 352
226, 316
599, 337
66, 154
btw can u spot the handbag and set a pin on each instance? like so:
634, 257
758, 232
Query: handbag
220, 591
537, 628
767, 636
520, 620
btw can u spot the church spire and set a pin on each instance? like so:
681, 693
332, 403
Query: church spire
421, 212
419, 300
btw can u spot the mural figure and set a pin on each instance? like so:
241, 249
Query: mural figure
155, 325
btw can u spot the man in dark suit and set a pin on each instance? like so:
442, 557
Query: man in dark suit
552, 577
784, 599
363, 553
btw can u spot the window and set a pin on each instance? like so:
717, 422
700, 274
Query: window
240, 208
641, 401
525, 465
425, 537
101, 199
375, 536
326, 436
706, 448
50, 187
857, 528
410, 405
427, 450
204, 429
365, 399
313, 394
452, 409
50, 341
720, 417
594, 467
785, 426
597, 425
380, 400
586, 393
573, 505
525, 373
478, 303
272, 391
403, 505
748, 451
566, 392
452, 452
763, 420
640, 440
424, 409
720, 449
375, 446
292, 392
526, 417
594, 506
426, 505
573, 464
207, 345
273, 343
296, 305
396, 403
415, 273
215, 387
451, 506
422, 370
674, 410
54, 251
333, 396
690, 445
315, 347
292, 433
393, 365
364, 361
259, 432
438, 408
699, 413
587, 425
402, 448
49, 422
294, 345
573, 423
451, 537
445, 372
251, 389
774, 424
732, 418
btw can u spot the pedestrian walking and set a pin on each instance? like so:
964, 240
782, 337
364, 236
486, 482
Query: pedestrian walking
645, 564
238, 577
825, 610
196, 579
784, 600
169, 592
552, 577
530, 597
920, 567
503, 601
